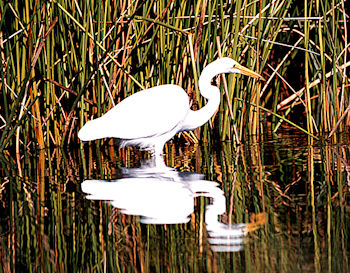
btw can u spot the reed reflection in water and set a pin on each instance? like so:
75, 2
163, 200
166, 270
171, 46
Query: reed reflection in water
161, 195
300, 191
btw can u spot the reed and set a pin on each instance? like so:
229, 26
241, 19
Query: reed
63, 63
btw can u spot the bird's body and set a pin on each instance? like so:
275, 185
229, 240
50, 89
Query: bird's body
153, 121
149, 118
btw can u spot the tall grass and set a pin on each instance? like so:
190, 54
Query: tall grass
65, 62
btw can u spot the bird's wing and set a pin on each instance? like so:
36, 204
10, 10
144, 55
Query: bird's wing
147, 113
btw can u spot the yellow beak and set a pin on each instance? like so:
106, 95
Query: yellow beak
248, 72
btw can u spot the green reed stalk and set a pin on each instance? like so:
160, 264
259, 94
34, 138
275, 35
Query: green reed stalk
234, 54
284, 119
101, 52
307, 13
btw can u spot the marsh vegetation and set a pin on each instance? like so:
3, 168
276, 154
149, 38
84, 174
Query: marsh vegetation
63, 63
282, 159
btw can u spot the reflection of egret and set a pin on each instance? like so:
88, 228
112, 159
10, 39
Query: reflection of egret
151, 117
166, 201
157, 201
167, 197
222, 237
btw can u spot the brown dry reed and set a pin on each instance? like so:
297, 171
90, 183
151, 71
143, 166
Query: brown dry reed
65, 62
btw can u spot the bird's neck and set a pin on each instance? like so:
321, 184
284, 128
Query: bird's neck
204, 82
197, 118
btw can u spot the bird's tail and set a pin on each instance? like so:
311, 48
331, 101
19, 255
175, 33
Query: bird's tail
92, 130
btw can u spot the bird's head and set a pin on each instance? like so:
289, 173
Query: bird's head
227, 65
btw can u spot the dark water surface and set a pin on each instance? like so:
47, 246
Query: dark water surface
281, 205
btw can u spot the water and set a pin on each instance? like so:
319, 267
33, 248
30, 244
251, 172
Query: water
281, 205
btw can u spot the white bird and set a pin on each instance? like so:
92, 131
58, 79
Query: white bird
149, 118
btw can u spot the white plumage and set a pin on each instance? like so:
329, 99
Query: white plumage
149, 118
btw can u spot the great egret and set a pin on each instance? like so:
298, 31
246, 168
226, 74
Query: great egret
149, 118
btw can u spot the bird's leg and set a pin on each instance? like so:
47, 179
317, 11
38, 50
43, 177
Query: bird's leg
158, 149
159, 161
